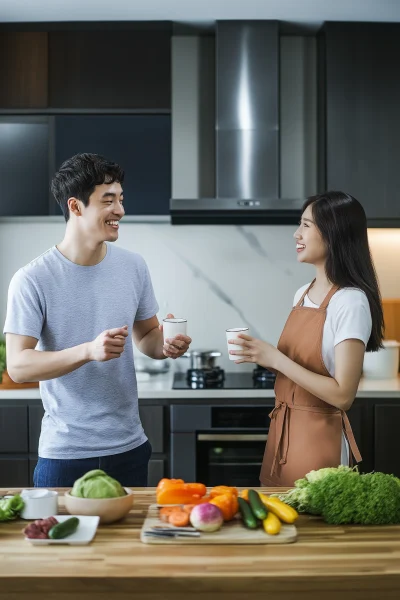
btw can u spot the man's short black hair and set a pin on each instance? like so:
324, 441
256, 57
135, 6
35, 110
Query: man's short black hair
78, 176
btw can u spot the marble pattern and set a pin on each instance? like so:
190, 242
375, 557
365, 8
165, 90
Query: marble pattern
215, 276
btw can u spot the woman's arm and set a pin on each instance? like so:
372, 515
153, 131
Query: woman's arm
339, 391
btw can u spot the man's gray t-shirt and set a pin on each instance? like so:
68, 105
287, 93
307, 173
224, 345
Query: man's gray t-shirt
92, 411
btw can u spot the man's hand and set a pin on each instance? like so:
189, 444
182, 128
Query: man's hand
177, 346
109, 344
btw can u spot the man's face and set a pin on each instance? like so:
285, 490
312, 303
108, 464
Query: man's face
100, 218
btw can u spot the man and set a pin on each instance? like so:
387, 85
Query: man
69, 317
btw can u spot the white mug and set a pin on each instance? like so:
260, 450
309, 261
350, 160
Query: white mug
172, 327
231, 334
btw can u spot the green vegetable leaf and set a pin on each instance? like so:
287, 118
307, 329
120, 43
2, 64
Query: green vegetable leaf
11, 507
343, 496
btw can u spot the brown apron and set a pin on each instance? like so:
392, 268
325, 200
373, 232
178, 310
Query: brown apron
305, 432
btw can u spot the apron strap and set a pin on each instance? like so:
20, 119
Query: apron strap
326, 300
329, 295
280, 413
350, 438
300, 302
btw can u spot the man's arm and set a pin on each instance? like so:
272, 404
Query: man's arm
148, 337
24, 363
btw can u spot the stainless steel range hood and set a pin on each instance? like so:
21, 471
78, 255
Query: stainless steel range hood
246, 132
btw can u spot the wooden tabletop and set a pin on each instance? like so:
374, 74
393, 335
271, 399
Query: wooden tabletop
326, 563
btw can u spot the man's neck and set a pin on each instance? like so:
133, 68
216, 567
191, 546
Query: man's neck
81, 252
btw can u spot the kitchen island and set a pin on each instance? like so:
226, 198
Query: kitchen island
326, 563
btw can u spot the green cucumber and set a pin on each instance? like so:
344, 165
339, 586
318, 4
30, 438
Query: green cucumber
257, 505
64, 529
248, 518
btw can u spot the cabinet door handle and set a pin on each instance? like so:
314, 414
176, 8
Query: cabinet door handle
232, 437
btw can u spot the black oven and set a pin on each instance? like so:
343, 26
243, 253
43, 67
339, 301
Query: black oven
218, 445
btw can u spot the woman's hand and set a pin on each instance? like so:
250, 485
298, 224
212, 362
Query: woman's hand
254, 351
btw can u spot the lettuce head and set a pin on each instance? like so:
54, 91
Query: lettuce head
97, 484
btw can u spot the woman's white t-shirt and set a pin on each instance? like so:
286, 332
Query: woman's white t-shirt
348, 316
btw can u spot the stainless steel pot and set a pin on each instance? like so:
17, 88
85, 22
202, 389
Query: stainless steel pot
151, 366
202, 359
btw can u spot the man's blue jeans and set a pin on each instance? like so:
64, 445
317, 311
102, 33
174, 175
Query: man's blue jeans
129, 468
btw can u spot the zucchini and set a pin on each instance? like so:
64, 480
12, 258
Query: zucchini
64, 529
272, 524
248, 518
257, 505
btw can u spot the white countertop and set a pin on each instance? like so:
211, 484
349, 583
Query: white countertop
160, 387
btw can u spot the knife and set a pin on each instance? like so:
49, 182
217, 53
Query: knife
171, 528
169, 534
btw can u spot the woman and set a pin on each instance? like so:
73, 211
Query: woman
319, 357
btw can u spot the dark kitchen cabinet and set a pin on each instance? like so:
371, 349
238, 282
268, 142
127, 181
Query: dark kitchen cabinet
156, 472
152, 418
32, 465
14, 471
24, 166
35, 423
361, 419
110, 68
141, 144
13, 428
374, 422
387, 440
359, 118
23, 69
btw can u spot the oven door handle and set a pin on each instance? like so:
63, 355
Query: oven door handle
232, 437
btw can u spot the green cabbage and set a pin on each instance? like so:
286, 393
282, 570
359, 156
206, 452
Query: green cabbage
97, 484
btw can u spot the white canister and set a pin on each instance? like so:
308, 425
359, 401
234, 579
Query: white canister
383, 364
39, 503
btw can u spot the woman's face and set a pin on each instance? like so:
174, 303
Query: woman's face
310, 246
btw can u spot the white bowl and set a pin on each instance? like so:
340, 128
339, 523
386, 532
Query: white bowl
108, 509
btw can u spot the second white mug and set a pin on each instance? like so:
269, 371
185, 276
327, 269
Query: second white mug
231, 334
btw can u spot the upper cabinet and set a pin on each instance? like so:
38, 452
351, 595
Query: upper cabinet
86, 66
359, 117
110, 69
141, 144
23, 69
24, 166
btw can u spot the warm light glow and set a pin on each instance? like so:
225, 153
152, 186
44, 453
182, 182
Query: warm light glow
384, 236
385, 250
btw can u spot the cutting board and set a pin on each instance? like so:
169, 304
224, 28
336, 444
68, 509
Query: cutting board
232, 532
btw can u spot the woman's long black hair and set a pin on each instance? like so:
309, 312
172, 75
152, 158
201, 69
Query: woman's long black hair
343, 225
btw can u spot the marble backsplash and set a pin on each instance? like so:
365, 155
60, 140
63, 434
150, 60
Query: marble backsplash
215, 276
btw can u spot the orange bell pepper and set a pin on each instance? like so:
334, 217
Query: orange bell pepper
223, 489
165, 482
181, 493
245, 495
228, 505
